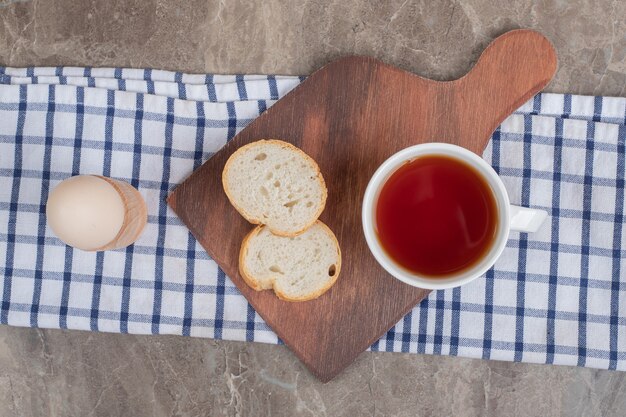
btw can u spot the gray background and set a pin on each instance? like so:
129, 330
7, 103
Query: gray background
77, 374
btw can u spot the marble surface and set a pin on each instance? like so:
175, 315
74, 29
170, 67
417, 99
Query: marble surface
60, 373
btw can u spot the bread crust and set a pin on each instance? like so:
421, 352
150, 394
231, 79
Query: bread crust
255, 220
242, 254
254, 284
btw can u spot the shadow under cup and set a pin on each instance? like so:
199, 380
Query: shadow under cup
436, 216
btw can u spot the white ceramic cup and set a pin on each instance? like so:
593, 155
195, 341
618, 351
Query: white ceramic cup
509, 217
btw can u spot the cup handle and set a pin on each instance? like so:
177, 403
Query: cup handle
526, 220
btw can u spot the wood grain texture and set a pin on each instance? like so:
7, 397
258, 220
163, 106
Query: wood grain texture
135, 214
350, 116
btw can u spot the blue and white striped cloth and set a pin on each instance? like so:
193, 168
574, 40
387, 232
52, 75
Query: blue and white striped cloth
553, 297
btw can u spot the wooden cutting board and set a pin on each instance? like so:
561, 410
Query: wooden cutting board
350, 116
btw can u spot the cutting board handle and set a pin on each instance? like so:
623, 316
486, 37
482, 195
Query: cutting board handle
512, 69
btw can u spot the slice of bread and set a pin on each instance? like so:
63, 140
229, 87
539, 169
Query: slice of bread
298, 268
272, 182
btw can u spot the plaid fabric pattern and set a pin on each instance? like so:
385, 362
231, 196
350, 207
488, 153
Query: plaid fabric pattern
553, 297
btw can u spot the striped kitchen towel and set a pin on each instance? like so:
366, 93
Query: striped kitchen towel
555, 296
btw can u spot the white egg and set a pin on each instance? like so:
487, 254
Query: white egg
85, 212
